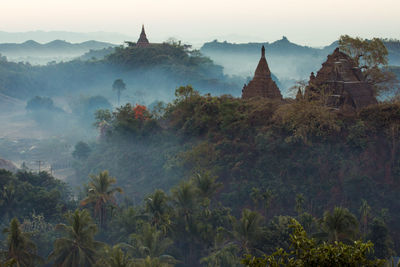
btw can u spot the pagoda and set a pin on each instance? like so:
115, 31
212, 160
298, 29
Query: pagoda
262, 84
341, 84
142, 42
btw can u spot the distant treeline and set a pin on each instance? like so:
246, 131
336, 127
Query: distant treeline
156, 71
284, 46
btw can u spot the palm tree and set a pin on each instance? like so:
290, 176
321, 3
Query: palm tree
155, 262
101, 194
206, 184
77, 247
247, 230
118, 86
186, 228
151, 242
115, 257
157, 206
151, 246
339, 225
225, 256
365, 211
185, 199
299, 204
7, 196
20, 248
263, 196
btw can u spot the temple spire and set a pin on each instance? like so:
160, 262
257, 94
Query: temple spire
142, 42
262, 84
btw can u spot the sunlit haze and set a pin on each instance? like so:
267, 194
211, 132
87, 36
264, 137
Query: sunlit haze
308, 22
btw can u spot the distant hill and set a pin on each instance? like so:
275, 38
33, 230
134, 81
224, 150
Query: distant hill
97, 54
290, 62
151, 73
57, 50
73, 37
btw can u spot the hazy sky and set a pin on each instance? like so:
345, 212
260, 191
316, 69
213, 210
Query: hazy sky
310, 22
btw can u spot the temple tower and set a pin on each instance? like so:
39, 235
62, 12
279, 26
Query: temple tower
340, 84
262, 84
142, 42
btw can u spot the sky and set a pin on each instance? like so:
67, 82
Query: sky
307, 22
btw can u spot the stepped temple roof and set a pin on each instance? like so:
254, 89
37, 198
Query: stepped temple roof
262, 84
142, 42
341, 83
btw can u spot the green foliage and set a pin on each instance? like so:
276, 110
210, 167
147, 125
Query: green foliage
380, 237
307, 252
365, 52
85, 107
119, 86
264, 153
339, 225
41, 103
26, 193
115, 257
20, 247
223, 257
42, 233
101, 195
159, 210
82, 151
307, 120
77, 246
372, 57
247, 231
150, 243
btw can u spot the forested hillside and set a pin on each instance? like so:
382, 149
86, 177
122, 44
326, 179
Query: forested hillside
281, 150
153, 72
206, 179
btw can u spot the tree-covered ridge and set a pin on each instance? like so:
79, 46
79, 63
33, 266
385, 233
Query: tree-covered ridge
284, 46
232, 174
154, 68
285, 149
206, 180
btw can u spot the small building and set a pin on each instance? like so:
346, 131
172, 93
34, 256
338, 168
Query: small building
340, 84
262, 84
142, 42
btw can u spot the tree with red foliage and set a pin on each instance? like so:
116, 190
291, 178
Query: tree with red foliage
140, 112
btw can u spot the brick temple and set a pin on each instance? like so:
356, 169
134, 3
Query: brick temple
340, 83
262, 84
142, 42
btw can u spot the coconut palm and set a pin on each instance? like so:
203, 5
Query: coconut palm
365, 211
77, 247
115, 257
150, 245
20, 248
185, 200
155, 262
247, 230
339, 225
225, 256
206, 184
157, 207
101, 194
263, 196
186, 228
